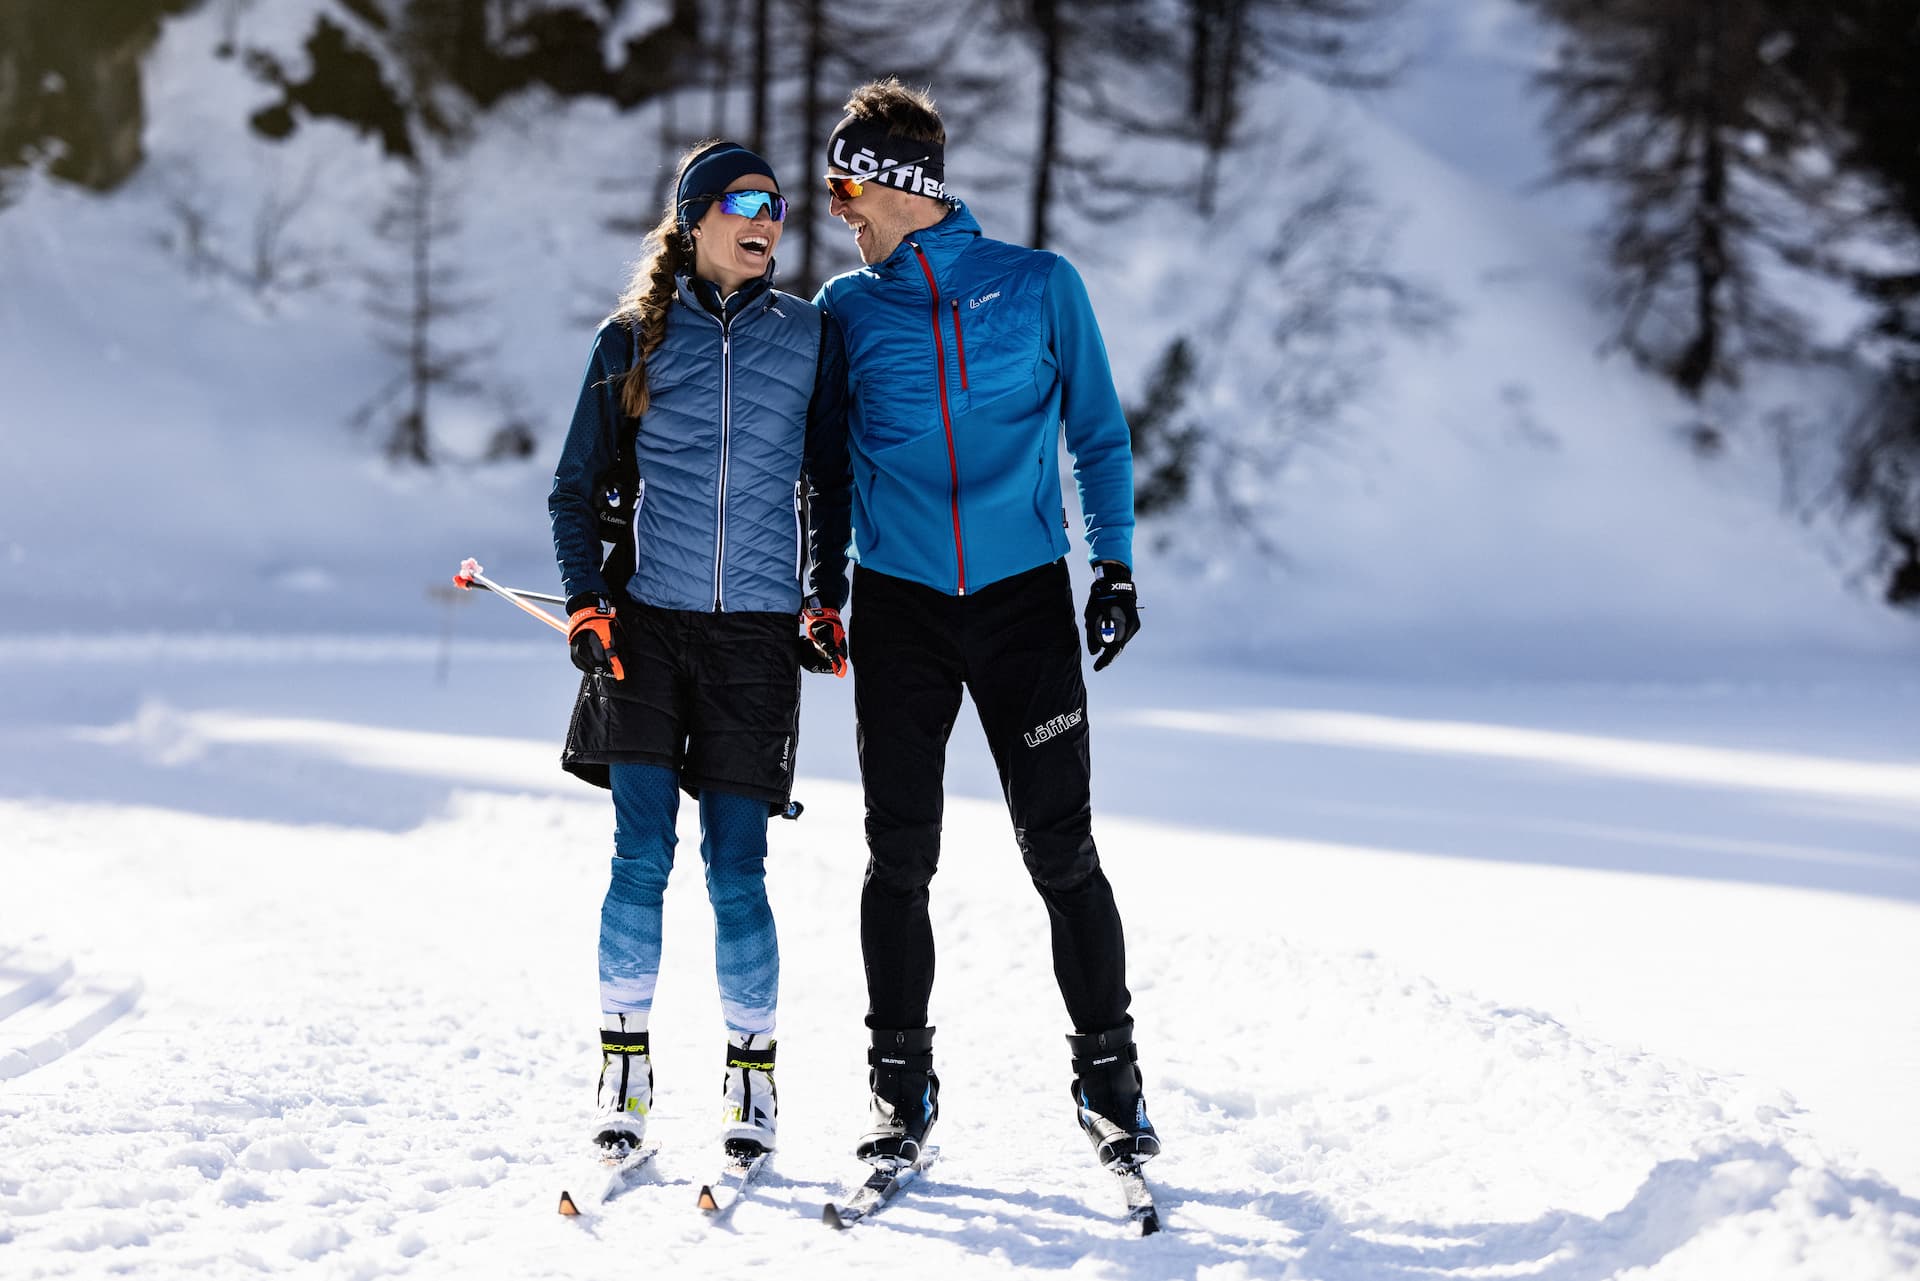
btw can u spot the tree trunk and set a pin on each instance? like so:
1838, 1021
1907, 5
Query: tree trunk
762, 72
1710, 263
1046, 21
812, 140
410, 434
722, 63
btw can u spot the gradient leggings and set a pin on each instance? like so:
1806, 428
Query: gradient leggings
733, 846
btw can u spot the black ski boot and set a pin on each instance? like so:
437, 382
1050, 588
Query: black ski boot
1106, 1088
906, 1095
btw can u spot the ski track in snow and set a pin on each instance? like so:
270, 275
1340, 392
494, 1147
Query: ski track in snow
45, 1012
367, 1051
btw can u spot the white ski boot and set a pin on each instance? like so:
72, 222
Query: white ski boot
626, 1090
752, 1107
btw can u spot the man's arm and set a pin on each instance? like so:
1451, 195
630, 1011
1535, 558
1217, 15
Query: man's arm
829, 476
1096, 428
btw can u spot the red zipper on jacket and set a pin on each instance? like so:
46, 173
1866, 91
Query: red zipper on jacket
959, 344
946, 414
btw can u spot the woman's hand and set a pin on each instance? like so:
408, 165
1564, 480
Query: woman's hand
590, 635
823, 639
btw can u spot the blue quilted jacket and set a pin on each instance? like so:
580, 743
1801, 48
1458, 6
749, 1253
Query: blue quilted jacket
743, 438
966, 357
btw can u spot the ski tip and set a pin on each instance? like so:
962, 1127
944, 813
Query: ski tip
830, 1215
707, 1202
567, 1207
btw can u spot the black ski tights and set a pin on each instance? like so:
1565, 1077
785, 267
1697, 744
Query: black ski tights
1013, 646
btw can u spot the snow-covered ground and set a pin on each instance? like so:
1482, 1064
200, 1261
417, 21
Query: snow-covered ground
1431, 981
1523, 879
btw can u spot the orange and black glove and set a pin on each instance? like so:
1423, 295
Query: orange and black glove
590, 635
823, 639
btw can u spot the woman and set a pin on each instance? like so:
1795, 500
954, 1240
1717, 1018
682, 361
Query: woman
713, 414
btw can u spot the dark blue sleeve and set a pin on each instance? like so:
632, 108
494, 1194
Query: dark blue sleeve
829, 474
584, 458
1096, 428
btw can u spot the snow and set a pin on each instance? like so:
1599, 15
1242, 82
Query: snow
1541, 1013
1523, 881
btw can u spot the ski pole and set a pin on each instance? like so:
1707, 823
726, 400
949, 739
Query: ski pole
470, 575
490, 585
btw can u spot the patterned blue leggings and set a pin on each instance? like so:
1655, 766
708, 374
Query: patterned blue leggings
733, 846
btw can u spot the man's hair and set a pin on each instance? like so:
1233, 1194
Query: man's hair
902, 112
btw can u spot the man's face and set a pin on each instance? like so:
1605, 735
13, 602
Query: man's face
881, 217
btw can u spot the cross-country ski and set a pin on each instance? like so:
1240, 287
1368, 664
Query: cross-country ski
1142, 1213
604, 1180
884, 1180
719, 1194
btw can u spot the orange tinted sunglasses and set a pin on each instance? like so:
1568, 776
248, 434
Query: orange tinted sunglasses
849, 188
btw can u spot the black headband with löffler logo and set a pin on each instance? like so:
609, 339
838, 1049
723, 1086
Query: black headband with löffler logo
863, 147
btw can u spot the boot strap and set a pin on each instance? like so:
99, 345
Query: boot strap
753, 1060
890, 1060
623, 1042
1114, 1060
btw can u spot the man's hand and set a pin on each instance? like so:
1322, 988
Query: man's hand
1112, 614
823, 638
590, 635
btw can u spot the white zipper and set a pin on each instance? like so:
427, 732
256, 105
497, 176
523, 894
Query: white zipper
726, 432
800, 534
639, 501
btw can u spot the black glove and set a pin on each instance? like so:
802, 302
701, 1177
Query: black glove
823, 640
1112, 615
590, 635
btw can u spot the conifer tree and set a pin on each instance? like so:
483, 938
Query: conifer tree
1685, 111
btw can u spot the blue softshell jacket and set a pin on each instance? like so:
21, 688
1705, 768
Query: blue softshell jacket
743, 439
966, 357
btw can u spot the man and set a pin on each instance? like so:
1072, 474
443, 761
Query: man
965, 358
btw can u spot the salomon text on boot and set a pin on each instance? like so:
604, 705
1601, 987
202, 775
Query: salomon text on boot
906, 1095
625, 1095
1110, 1105
752, 1108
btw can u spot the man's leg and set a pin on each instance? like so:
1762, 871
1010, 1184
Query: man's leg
1024, 673
906, 693
1023, 670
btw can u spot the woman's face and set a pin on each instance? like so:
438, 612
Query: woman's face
729, 249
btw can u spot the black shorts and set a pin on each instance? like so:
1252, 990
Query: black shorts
715, 697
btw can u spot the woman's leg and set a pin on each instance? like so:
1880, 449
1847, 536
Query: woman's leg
646, 799
733, 845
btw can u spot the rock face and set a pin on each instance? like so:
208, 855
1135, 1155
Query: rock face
70, 72
381, 70
70, 85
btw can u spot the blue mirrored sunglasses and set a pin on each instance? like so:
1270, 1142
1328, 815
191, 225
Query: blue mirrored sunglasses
751, 204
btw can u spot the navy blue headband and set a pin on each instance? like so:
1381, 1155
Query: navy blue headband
709, 174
